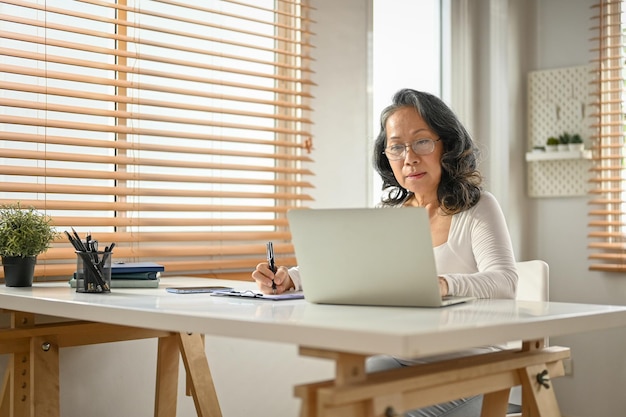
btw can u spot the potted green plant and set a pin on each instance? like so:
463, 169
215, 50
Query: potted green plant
552, 144
564, 140
576, 143
24, 234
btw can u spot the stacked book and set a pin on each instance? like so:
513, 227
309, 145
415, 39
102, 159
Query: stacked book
135, 274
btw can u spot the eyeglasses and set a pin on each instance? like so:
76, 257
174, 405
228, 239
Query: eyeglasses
420, 146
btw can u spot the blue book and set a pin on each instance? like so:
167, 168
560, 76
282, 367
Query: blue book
135, 275
135, 267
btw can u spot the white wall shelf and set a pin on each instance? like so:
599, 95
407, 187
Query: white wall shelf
558, 155
558, 102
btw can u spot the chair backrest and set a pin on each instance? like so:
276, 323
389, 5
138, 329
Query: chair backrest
533, 280
532, 285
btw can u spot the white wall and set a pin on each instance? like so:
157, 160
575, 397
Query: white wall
342, 103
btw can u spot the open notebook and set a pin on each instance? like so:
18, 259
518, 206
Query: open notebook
367, 256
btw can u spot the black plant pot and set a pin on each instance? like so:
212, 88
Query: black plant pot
18, 271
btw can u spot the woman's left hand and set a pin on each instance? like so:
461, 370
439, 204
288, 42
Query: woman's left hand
443, 287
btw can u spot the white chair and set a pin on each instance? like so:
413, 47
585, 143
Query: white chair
533, 280
532, 285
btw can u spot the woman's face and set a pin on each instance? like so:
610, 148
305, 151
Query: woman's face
418, 173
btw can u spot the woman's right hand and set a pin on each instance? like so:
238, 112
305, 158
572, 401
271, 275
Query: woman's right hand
264, 276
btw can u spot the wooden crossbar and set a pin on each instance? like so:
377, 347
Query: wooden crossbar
422, 385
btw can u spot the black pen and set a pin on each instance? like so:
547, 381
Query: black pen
106, 254
271, 261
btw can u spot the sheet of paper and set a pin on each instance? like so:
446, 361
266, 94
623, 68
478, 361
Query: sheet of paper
289, 295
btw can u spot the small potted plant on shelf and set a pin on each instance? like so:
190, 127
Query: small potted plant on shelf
552, 144
564, 140
576, 143
24, 234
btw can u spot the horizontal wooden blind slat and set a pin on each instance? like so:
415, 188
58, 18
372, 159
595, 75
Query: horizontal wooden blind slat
147, 207
605, 213
604, 223
185, 238
121, 222
92, 127
603, 235
142, 192
123, 145
605, 102
607, 201
607, 135
122, 160
125, 175
169, 250
620, 268
610, 256
606, 158
617, 246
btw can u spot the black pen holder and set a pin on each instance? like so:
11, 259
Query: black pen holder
93, 272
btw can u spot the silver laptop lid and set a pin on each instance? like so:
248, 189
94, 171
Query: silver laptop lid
367, 256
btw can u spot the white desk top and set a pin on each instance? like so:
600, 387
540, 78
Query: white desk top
397, 331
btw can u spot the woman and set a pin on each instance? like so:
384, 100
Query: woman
426, 158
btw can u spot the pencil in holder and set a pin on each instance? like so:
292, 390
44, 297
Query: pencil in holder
93, 271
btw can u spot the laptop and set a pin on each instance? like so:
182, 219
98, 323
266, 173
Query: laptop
367, 256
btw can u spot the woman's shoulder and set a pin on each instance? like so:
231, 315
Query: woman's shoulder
487, 198
485, 205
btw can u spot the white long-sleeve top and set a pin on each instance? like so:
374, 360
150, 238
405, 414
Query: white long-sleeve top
477, 260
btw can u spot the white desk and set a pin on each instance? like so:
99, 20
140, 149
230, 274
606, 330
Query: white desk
346, 334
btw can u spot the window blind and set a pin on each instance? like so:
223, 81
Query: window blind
180, 130
607, 237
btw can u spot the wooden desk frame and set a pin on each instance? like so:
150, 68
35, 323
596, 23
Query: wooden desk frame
31, 382
391, 393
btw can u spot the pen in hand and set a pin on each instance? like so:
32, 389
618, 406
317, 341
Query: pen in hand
271, 262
